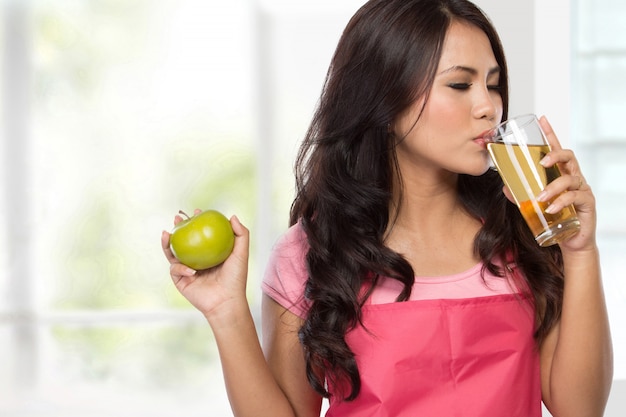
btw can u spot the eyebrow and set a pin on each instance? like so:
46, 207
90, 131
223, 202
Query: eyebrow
472, 71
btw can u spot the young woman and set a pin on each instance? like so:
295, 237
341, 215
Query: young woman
408, 284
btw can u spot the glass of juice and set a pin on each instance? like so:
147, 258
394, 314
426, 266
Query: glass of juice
516, 146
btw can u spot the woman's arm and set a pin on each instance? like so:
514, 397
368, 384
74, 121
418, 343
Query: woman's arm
576, 357
220, 294
270, 385
284, 354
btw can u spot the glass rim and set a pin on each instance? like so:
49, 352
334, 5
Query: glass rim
514, 124
521, 120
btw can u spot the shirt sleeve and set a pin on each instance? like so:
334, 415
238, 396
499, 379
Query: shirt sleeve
286, 274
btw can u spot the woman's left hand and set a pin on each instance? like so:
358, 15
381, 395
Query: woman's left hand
570, 188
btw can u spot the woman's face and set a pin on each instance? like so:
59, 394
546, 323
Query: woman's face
464, 102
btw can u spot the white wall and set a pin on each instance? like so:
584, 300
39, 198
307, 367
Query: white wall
536, 39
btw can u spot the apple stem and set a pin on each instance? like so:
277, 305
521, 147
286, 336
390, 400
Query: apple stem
184, 214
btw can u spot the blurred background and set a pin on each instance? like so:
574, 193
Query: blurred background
115, 114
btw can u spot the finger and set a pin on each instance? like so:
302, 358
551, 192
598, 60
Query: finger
182, 281
562, 201
508, 194
576, 182
165, 245
563, 191
238, 228
178, 218
566, 183
178, 271
165, 240
565, 159
553, 141
242, 237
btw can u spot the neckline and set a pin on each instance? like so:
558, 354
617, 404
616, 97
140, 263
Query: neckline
423, 279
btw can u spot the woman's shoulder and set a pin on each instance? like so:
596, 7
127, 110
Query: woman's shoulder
293, 240
286, 273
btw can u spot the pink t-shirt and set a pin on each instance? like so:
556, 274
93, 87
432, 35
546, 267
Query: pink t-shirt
286, 276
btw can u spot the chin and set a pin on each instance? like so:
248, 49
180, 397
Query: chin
478, 171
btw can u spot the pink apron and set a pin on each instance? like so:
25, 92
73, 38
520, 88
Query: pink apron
446, 358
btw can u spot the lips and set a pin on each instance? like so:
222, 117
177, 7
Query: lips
481, 142
484, 138
486, 135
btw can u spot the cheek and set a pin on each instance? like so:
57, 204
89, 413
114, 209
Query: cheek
497, 101
445, 114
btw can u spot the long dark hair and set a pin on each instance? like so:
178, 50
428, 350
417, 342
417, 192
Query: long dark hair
385, 60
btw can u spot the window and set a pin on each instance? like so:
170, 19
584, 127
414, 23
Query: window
116, 115
599, 108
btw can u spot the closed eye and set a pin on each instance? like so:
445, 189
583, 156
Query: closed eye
460, 86
466, 86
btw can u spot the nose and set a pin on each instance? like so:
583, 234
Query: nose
488, 104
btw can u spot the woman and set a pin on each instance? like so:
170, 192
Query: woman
408, 284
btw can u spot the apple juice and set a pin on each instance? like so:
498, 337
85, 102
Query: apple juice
521, 171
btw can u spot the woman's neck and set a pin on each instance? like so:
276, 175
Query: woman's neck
432, 228
427, 200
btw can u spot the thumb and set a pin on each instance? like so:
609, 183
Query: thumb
242, 237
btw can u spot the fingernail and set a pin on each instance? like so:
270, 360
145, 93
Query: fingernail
545, 161
190, 271
551, 209
542, 196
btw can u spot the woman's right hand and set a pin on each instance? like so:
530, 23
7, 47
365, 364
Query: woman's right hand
216, 290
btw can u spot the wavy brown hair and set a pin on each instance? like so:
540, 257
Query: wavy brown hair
385, 60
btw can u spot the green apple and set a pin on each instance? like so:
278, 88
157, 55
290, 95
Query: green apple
202, 241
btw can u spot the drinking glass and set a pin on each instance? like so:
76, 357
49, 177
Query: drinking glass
516, 146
